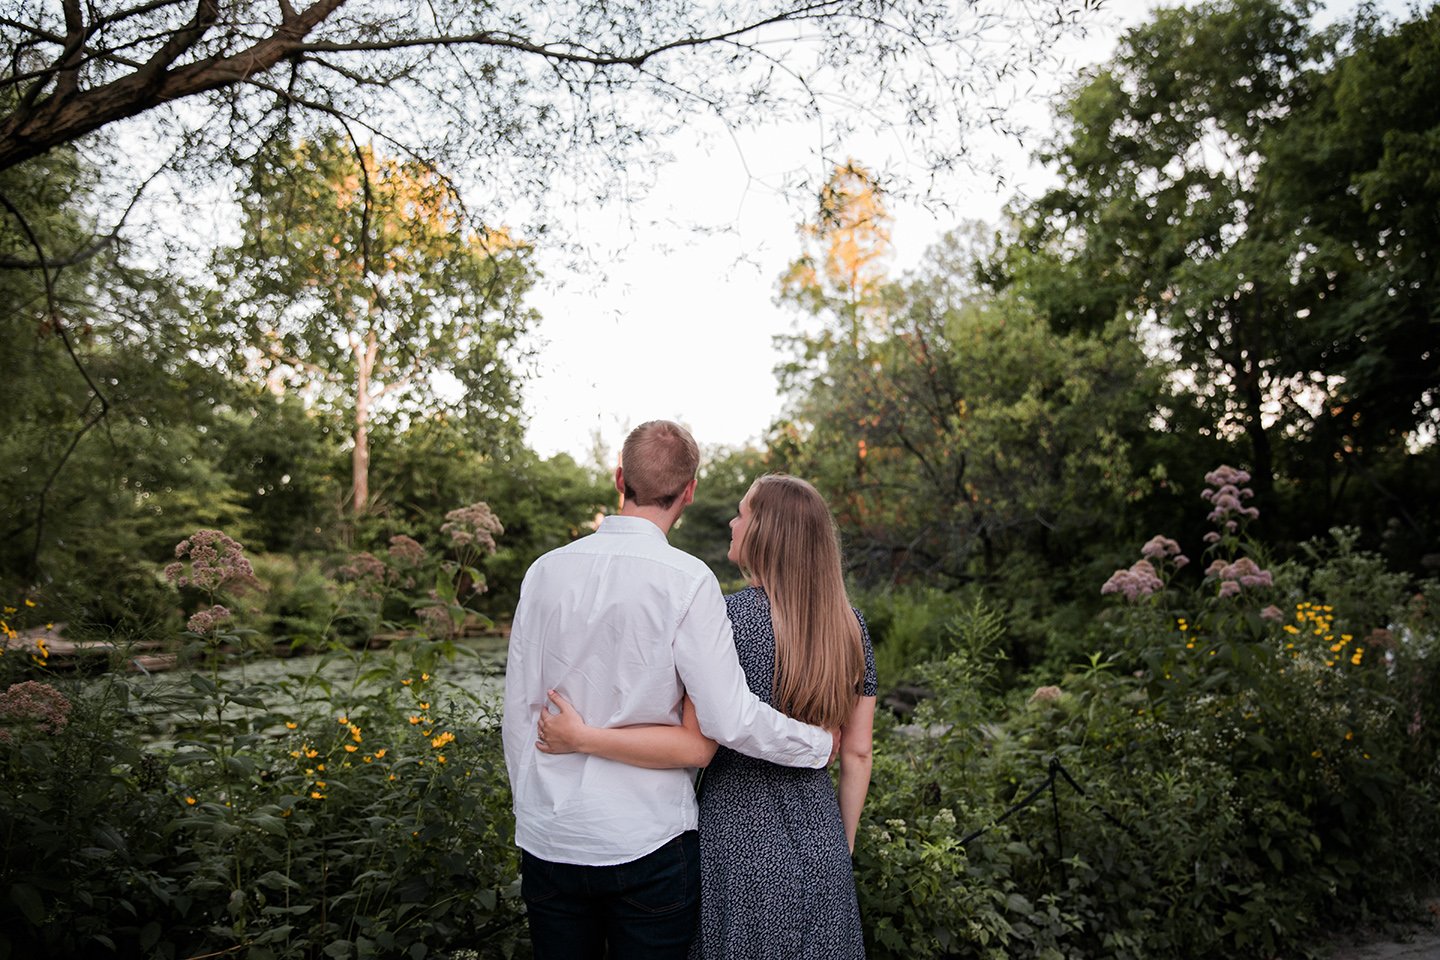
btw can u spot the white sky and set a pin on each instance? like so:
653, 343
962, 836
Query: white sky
681, 323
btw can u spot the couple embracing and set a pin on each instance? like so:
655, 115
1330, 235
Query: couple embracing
628, 670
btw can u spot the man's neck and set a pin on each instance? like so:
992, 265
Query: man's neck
664, 519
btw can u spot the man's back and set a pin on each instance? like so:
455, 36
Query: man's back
598, 622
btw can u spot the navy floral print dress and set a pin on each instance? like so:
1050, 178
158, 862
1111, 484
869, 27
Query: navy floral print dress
776, 880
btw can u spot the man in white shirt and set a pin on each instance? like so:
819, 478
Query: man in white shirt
623, 625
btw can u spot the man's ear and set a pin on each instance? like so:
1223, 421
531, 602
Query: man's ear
687, 496
620, 481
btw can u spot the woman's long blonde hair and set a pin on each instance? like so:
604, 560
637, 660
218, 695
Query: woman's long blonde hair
791, 548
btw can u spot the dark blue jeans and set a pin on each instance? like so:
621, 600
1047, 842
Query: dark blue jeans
642, 910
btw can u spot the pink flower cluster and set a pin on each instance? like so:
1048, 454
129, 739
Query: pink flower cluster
364, 566
1228, 499
1159, 549
38, 703
1045, 695
473, 526
1136, 583
205, 621
406, 550
1235, 574
435, 618
216, 561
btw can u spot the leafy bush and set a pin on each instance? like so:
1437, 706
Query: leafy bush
1249, 772
357, 811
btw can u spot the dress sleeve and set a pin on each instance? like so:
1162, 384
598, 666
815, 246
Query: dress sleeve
729, 713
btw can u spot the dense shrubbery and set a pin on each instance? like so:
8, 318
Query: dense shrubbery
1257, 747
272, 826
1258, 754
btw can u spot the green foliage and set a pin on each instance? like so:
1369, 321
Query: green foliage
704, 529
359, 280
908, 626
963, 431
268, 827
1240, 188
1250, 775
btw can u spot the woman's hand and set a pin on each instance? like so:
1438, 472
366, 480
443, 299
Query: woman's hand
563, 732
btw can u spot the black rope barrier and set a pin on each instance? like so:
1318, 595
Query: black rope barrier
1056, 771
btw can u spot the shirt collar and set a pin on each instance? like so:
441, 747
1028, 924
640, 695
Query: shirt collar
618, 524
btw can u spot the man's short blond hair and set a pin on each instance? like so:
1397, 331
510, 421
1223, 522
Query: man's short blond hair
659, 459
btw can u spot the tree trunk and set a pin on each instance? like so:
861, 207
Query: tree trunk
365, 353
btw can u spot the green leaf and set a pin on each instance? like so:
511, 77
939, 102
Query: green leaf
28, 899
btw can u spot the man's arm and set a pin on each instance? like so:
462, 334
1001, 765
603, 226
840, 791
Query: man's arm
728, 712
516, 725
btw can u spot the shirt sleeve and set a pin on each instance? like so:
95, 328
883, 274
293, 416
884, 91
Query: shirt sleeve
729, 713
515, 725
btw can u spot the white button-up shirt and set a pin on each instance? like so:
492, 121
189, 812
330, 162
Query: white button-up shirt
622, 625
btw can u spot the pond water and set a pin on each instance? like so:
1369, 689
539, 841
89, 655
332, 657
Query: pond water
472, 682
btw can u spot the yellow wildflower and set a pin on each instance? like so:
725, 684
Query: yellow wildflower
290, 725
351, 748
380, 754
316, 795
414, 720
190, 801
424, 676
312, 753
343, 720
406, 682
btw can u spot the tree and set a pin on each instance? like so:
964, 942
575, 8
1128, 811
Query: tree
843, 270
535, 83
1354, 172
99, 397
1253, 197
966, 433
1163, 216
359, 281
